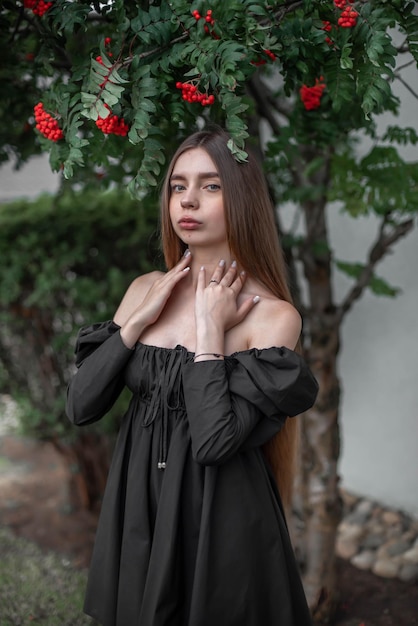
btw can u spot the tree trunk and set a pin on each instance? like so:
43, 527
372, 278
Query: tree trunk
34, 369
322, 506
88, 460
318, 481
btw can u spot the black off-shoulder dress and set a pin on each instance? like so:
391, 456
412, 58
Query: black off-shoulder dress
191, 531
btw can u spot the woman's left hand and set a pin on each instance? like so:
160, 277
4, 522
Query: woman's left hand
217, 303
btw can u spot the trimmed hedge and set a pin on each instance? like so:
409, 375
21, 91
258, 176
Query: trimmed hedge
65, 261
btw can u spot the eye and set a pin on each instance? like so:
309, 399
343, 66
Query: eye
177, 187
213, 187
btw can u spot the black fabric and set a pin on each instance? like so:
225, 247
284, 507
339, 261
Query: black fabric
203, 541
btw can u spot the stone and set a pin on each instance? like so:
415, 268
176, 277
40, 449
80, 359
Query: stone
376, 528
395, 531
346, 548
408, 573
411, 555
360, 513
391, 549
365, 507
364, 560
349, 499
384, 541
373, 541
391, 518
350, 531
398, 547
409, 536
386, 568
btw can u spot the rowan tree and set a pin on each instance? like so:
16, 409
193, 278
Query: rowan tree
107, 87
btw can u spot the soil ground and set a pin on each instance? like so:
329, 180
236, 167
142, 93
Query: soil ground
34, 505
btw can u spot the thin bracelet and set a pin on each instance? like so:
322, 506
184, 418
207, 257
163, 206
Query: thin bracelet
215, 354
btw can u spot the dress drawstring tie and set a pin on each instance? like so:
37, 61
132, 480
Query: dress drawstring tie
159, 404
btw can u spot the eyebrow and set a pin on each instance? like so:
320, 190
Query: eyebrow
201, 175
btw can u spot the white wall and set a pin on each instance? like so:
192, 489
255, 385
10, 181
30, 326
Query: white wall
379, 358
379, 373
31, 180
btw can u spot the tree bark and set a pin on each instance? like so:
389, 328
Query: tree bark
32, 365
322, 506
88, 461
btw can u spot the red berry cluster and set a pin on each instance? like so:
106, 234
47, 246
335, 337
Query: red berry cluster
209, 21
327, 27
46, 124
39, 7
208, 18
261, 61
341, 4
107, 43
112, 125
190, 93
106, 78
348, 18
311, 96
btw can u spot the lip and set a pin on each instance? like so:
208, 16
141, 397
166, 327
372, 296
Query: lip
189, 223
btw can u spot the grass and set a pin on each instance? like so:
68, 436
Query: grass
37, 587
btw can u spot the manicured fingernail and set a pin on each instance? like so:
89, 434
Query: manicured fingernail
202, 268
187, 252
256, 299
221, 263
186, 269
233, 264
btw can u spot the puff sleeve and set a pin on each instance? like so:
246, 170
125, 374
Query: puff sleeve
101, 357
243, 401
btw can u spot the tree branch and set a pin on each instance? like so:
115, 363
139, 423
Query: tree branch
287, 7
378, 251
260, 94
405, 84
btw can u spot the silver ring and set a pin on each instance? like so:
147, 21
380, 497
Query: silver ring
214, 281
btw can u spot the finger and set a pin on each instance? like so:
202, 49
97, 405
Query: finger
181, 266
179, 271
201, 279
218, 272
229, 277
184, 259
238, 283
247, 306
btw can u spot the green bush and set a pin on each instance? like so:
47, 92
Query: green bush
66, 262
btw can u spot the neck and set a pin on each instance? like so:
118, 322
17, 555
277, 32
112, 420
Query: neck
208, 258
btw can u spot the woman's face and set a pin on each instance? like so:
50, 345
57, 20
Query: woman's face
196, 201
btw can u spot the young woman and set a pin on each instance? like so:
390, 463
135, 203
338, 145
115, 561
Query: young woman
192, 531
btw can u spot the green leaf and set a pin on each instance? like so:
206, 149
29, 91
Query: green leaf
346, 62
379, 286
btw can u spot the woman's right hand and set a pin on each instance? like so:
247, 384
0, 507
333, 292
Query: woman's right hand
133, 322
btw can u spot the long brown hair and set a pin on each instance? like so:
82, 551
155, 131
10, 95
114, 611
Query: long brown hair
254, 243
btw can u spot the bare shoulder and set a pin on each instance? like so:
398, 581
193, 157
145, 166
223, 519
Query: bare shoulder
134, 295
274, 322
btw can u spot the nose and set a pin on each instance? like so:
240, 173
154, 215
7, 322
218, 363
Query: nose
189, 199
